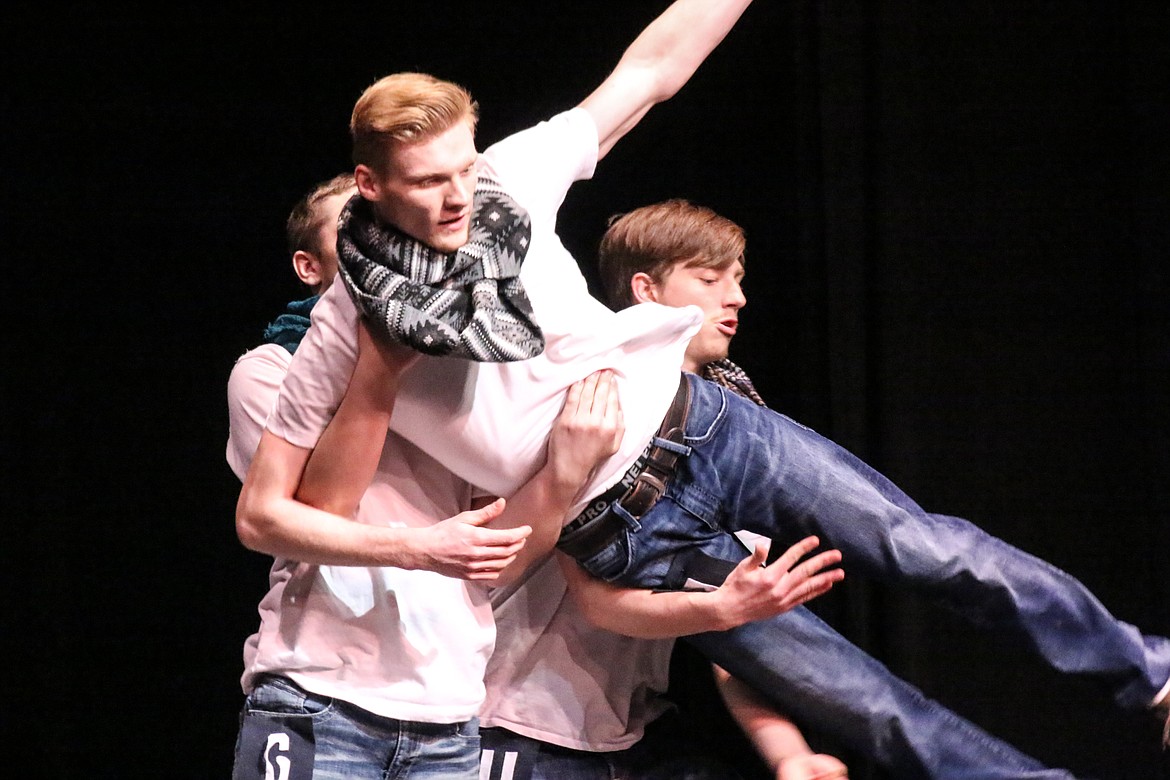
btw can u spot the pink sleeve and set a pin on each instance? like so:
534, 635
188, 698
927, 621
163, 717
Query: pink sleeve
252, 388
320, 371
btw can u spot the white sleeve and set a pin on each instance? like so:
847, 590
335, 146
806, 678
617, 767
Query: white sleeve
251, 392
320, 371
538, 165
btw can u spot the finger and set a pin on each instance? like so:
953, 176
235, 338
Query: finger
589, 387
613, 404
797, 551
811, 588
602, 392
759, 556
750, 564
492, 569
818, 586
483, 515
573, 398
493, 541
820, 561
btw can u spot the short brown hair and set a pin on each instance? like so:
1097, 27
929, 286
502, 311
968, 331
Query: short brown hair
653, 239
303, 228
405, 107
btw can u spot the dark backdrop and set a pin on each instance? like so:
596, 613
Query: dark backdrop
957, 227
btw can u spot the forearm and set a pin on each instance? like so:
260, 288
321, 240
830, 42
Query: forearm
541, 504
643, 614
673, 46
752, 591
658, 63
774, 736
343, 463
271, 520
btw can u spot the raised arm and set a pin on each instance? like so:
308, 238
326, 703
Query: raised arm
658, 63
751, 592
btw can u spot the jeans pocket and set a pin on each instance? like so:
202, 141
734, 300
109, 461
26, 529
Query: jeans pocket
611, 561
280, 696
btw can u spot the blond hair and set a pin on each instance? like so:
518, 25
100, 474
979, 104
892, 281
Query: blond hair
653, 239
405, 107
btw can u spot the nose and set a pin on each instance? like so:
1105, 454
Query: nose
459, 193
735, 299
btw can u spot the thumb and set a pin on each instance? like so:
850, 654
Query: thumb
754, 561
759, 555
484, 515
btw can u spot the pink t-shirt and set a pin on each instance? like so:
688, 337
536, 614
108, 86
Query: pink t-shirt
410, 645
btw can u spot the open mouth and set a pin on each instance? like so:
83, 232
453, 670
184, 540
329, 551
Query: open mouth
727, 327
455, 222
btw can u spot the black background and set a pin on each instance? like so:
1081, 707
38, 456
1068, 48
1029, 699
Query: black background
958, 234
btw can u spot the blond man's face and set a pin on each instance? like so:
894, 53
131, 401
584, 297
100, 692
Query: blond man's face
428, 188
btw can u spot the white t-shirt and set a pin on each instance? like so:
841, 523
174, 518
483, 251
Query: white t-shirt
556, 678
489, 422
410, 645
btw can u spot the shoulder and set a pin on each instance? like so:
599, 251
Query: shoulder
543, 160
265, 365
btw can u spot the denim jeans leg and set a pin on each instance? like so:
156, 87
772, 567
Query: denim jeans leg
756, 469
817, 677
437, 751
292, 734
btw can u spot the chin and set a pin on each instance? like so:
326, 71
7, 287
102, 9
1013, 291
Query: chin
449, 243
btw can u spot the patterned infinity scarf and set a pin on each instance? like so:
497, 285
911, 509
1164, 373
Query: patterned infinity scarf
727, 374
467, 304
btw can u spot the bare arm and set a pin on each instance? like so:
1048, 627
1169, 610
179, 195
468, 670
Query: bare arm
657, 64
751, 592
777, 739
270, 519
343, 463
298, 503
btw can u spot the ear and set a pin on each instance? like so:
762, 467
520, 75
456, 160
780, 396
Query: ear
367, 182
307, 267
644, 288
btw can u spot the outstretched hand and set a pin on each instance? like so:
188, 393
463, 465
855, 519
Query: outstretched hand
754, 591
463, 548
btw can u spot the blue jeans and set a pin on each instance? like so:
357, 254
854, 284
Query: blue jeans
287, 733
748, 467
661, 754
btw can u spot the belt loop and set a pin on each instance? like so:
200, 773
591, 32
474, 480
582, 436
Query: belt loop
667, 444
631, 522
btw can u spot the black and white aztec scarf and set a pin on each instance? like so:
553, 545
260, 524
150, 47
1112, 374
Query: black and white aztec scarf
467, 303
724, 372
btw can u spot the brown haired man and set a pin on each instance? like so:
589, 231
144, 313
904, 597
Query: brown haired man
696, 462
601, 711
